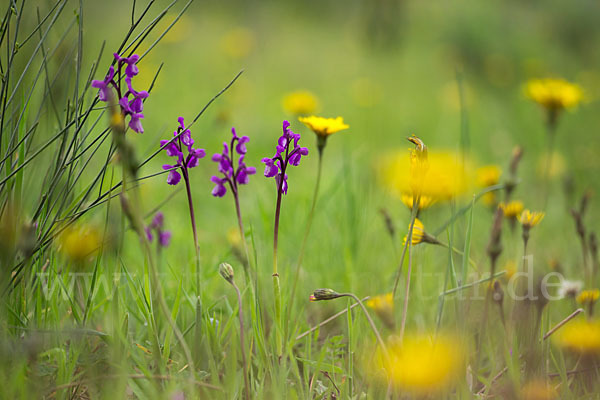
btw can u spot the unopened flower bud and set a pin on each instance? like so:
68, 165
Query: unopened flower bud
324, 294
226, 271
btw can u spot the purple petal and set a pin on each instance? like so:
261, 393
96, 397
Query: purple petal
164, 238
241, 146
180, 120
149, 235
158, 220
135, 123
173, 178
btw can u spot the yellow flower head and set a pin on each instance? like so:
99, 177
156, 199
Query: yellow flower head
530, 219
417, 234
324, 126
538, 390
440, 176
301, 102
80, 243
488, 175
511, 268
580, 336
382, 302
554, 94
588, 296
238, 42
512, 209
424, 201
383, 305
422, 365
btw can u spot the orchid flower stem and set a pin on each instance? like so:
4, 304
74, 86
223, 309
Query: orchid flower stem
276, 287
194, 230
242, 236
311, 216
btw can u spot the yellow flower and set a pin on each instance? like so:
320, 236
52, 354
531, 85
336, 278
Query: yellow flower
511, 268
512, 209
424, 201
538, 390
80, 243
324, 126
301, 102
488, 175
238, 42
383, 305
442, 176
423, 365
530, 219
418, 233
581, 336
554, 94
588, 296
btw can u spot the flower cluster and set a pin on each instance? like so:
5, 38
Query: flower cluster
164, 237
131, 101
284, 155
231, 175
174, 148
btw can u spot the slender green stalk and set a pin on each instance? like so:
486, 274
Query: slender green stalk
242, 341
276, 287
370, 320
551, 129
311, 215
416, 202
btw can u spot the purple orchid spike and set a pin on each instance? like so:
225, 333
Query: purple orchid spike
131, 101
232, 176
175, 147
157, 226
287, 152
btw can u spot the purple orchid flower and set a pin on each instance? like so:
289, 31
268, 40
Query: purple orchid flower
288, 152
175, 147
157, 226
133, 106
232, 176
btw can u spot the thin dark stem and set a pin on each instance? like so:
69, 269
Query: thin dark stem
193, 220
241, 228
551, 127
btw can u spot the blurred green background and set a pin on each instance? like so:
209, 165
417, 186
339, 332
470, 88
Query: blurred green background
390, 69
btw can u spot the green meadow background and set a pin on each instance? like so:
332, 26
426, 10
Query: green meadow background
391, 69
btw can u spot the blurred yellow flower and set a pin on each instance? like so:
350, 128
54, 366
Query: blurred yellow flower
80, 243
441, 177
511, 268
423, 365
238, 42
588, 297
383, 305
424, 201
558, 165
488, 175
301, 102
581, 336
324, 126
538, 390
512, 209
554, 94
530, 219
417, 233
